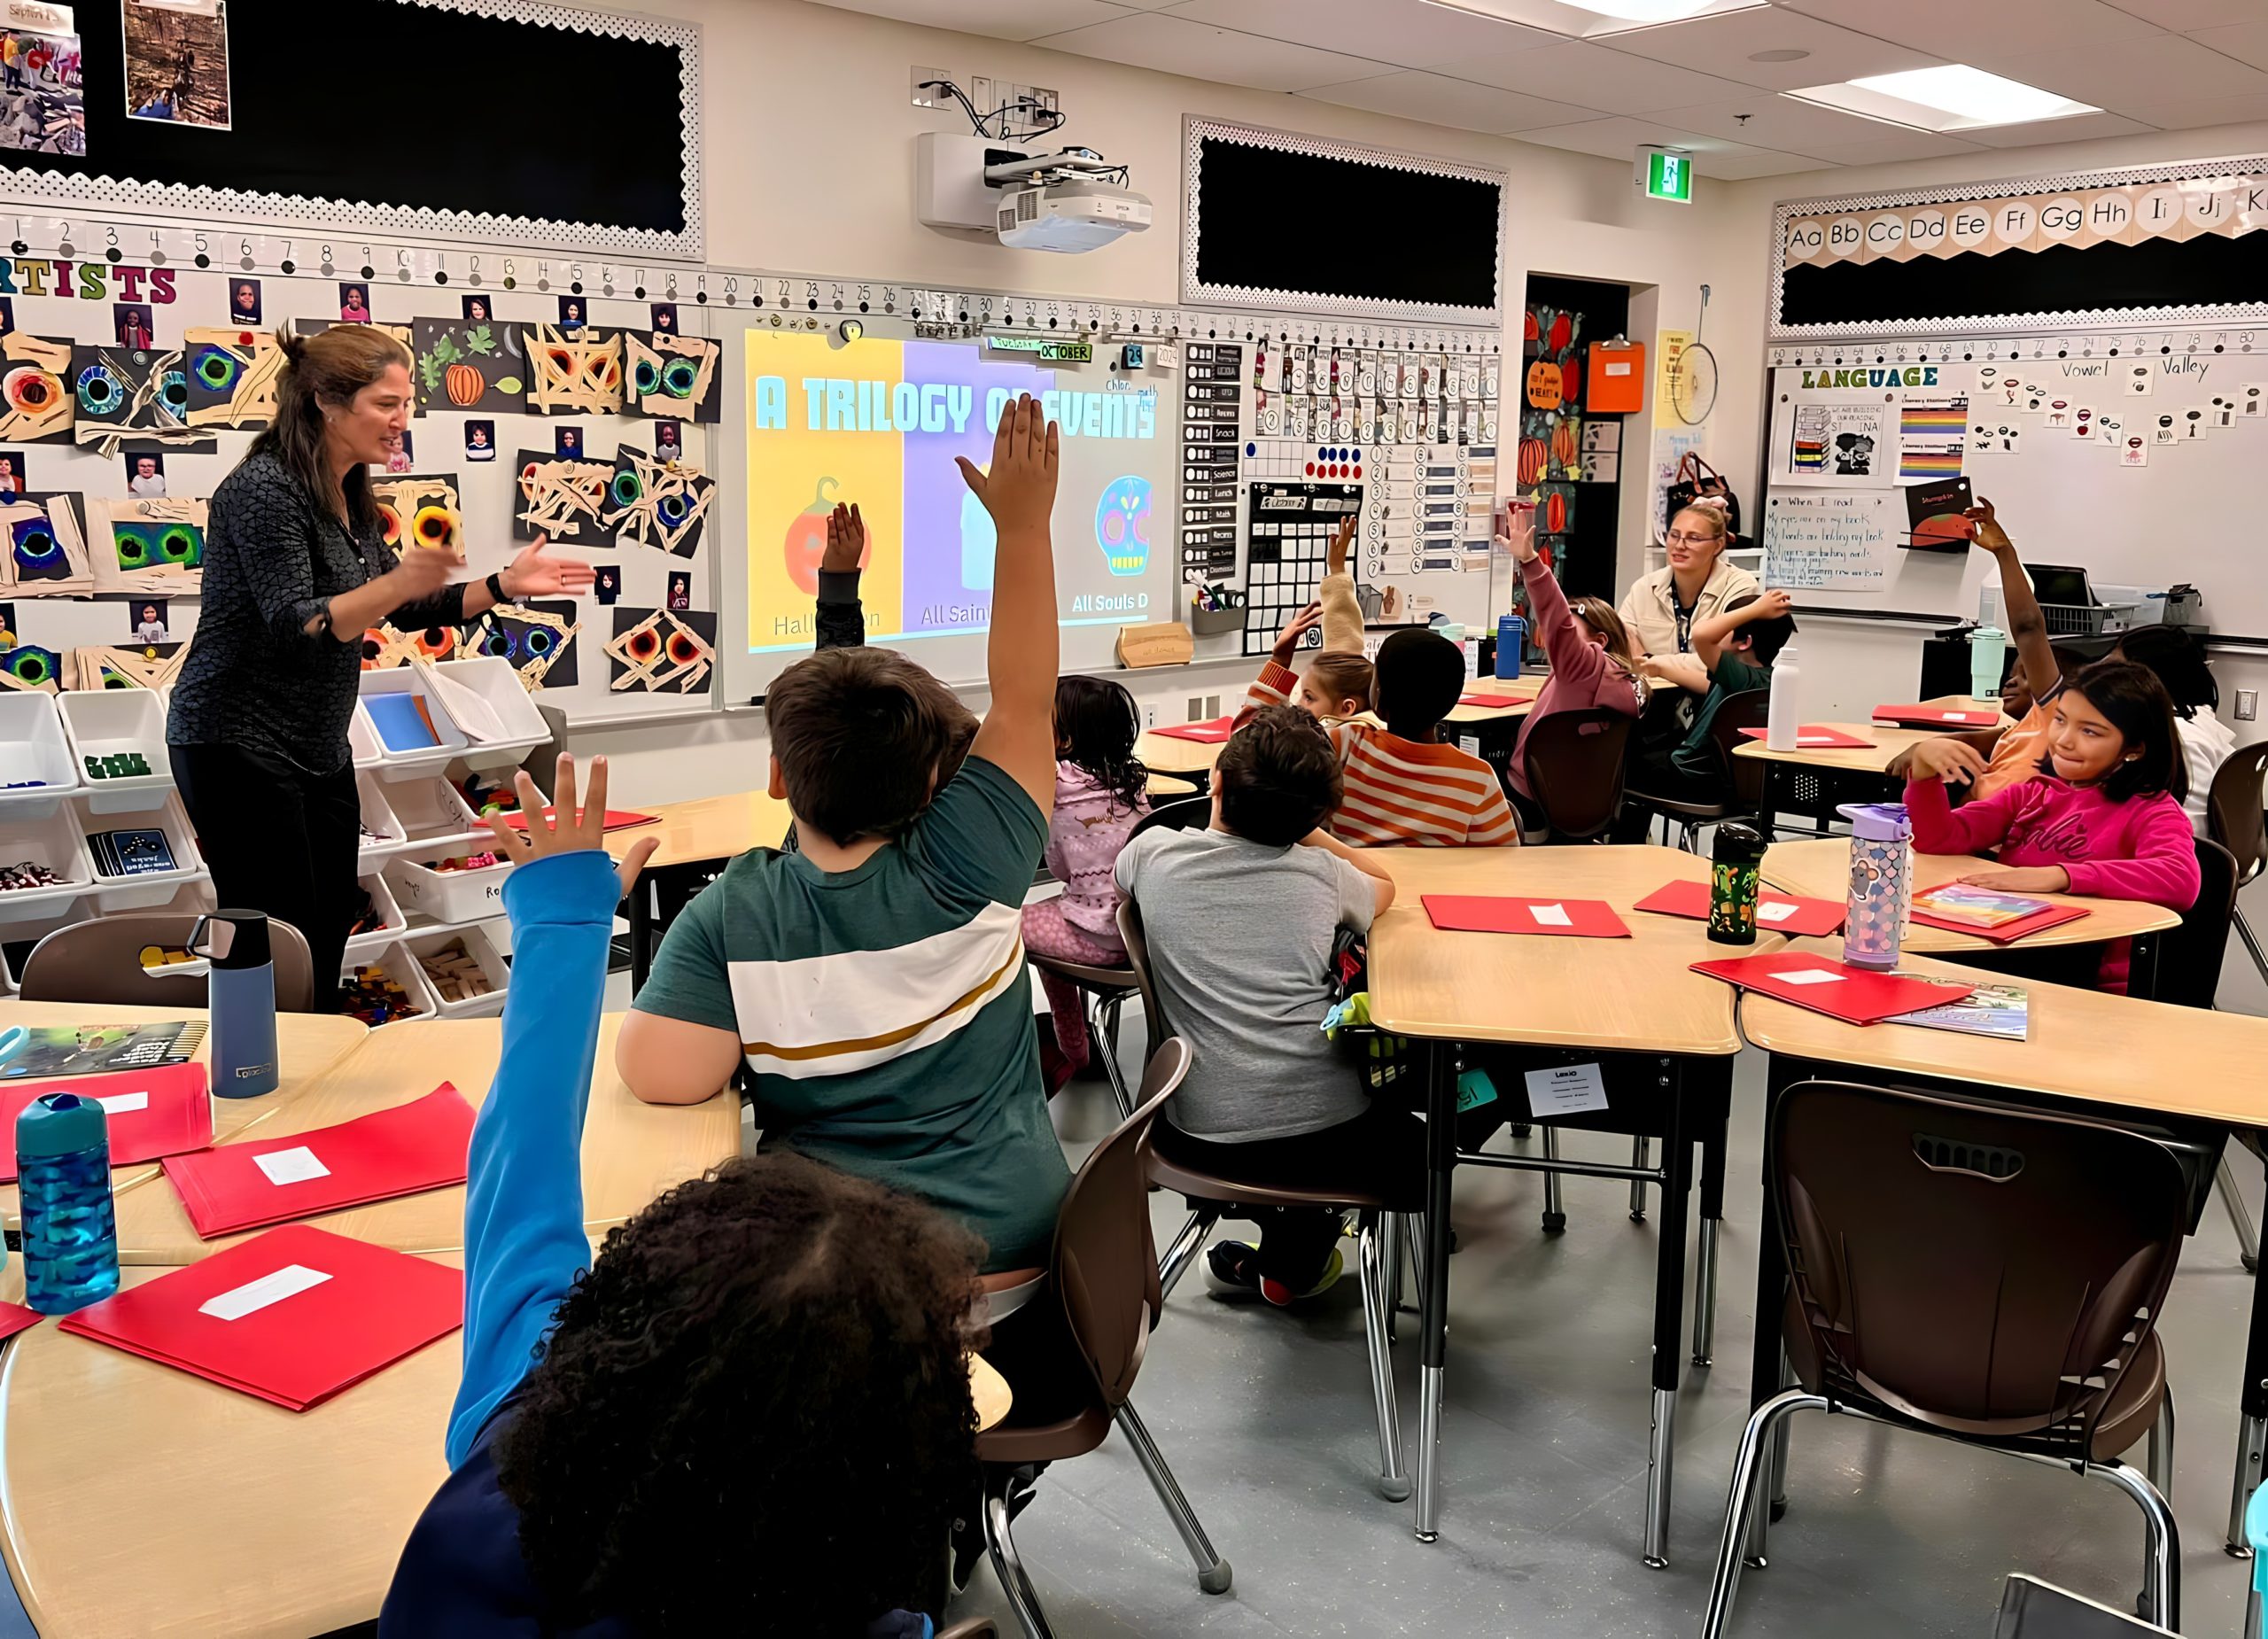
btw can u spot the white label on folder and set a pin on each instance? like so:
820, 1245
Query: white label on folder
255, 1296
1955, 716
122, 1103
1814, 740
1550, 915
1565, 1089
1809, 975
293, 1166
1618, 369
1771, 912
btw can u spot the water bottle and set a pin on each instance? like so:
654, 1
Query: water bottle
70, 1232
1511, 632
1882, 882
1988, 647
1781, 711
243, 1000
1736, 878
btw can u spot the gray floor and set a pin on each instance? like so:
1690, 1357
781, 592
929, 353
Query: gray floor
1265, 1417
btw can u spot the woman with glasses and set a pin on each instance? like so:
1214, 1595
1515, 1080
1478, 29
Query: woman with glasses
1660, 609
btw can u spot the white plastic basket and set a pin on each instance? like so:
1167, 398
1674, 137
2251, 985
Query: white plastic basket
448, 897
157, 888
106, 722
362, 739
379, 817
395, 922
32, 746
500, 689
435, 821
54, 841
401, 763
403, 968
483, 950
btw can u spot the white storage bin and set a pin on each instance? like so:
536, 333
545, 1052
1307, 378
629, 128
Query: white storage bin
106, 722
156, 888
362, 739
53, 840
32, 746
483, 950
448, 897
401, 763
499, 688
378, 818
395, 922
430, 812
402, 967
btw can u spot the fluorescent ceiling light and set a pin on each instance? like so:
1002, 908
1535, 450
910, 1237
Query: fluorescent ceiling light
1586, 18
1951, 98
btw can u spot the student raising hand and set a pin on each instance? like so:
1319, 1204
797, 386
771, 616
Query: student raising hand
1019, 490
1335, 557
1021, 653
1518, 538
847, 546
570, 829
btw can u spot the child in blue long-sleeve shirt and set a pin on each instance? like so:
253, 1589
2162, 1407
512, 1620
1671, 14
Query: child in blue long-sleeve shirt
751, 1415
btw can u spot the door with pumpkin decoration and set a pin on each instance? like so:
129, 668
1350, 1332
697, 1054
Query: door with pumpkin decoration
1554, 466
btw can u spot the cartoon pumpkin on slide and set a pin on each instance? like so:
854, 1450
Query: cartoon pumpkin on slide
806, 541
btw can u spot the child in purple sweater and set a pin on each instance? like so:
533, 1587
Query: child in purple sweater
1101, 792
2104, 817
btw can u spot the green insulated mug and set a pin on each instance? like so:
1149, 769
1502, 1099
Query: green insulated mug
1735, 875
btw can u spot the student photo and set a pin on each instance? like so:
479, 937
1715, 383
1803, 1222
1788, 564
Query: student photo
132, 319
568, 445
667, 445
664, 315
680, 589
476, 309
400, 458
12, 473
244, 302
354, 304
148, 620
146, 476
608, 587
480, 440
570, 313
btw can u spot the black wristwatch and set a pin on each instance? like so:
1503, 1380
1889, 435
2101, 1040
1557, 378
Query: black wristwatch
496, 589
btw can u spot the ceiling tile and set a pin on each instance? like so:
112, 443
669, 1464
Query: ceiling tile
1444, 101
1170, 45
1593, 77
1003, 19
2080, 127
2194, 113
1406, 31
1734, 168
1967, 30
2247, 43
1619, 136
1894, 146
2112, 73
1768, 120
1723, 44
2186, 16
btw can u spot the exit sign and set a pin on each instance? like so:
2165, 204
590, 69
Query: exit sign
1667, 174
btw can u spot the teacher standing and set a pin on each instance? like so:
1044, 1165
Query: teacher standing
296, 568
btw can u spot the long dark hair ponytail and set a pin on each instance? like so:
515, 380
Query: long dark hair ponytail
1096, 726
329, 367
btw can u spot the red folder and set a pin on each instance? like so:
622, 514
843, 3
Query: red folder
1494, 701
1936, 717
1814, 736
294, 1316
2006, 932
616, 820
1856, 995
1210, 733
1774, 913
1580, 919
150, 1113
414, 1147
15, 1318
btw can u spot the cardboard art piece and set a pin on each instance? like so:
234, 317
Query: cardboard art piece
576, 374
232, 376
143, 665
467, 366
654, 503
152, 545
31, 669
43, 547
416, 510
131, 393
661, 651
35, 402
560, 498
385, 646
537, 640
674, 377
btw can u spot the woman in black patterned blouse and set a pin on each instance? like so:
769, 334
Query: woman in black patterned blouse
296, 569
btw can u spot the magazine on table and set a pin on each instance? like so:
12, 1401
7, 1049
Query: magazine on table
2002, 1011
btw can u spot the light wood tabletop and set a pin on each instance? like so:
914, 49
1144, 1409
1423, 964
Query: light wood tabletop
1166, 787
1517, 693
989, 1391
1872, 758
1633, 994
2082, 1044
710, 827
307, 1044
1165, 754
631, 1152
1820, 869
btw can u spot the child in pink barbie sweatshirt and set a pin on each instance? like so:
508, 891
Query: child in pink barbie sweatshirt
2103, 819
1592, 664
1102, 791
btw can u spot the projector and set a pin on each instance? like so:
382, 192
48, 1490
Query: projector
1071, 216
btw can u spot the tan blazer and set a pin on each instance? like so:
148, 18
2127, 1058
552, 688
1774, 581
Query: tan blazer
1649, 611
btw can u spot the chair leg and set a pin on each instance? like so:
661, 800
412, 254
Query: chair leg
2161, 1600
1641, 1152
2248, 1242
1022, 1597
1107, 1011
1704, 1296
1393, 1481
1390, 1233
1413, 1236
2251, 1445
2251, 944
1213, 1572
1749, 1467
1184, 1250
1764, 1518
2159, 1461
1555, 1214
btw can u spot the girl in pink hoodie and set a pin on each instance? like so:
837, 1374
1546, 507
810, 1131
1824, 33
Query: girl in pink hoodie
2104, 817
1592, 664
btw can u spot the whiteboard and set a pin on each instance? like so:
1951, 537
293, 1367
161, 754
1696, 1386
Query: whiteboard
2048, 437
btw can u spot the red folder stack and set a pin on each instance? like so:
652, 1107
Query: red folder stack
413, 1147
1774, 913
1580, 919
616, 820
1856, 995
1212, 732
1936, 717
164, 1111
1813, 737
294, 1316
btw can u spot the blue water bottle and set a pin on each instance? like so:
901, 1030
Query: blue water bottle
70, 1232
243, 1000
1511, 632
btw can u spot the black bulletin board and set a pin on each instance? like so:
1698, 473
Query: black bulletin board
473, 118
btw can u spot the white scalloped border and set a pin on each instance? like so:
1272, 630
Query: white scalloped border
1196, 129
315, 214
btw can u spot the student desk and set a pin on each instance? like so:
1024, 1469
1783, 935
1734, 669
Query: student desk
306, 1046
697, 839
138, 1500
631, 1152
1811, 779
1168, 754
1664, 1036
2109, 1053
1517, 693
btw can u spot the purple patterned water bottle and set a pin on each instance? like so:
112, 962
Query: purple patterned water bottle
1882, 884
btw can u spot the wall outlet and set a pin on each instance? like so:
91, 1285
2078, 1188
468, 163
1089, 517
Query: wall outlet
1212, 706
1197, 708
2247, 704
983, 91
1046, 98
916, 81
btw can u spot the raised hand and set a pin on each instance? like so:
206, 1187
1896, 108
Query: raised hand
1335, 558
536, 574
573, 828
1518, 538
1018, 491
846, 541
1984, 528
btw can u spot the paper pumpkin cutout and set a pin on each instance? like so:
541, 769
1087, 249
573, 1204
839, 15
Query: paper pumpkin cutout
579, 374
385, 646
465, 366
232, 376
146, 665
153, 546
673, 375
661, 651
418, 510
653, 503
34, 401
537, 640
1543, 386
31, 669
125, 392
560, 498
43, 547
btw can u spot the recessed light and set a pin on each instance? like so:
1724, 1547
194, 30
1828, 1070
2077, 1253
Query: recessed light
1951, 98
1585, 19
1788, 56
